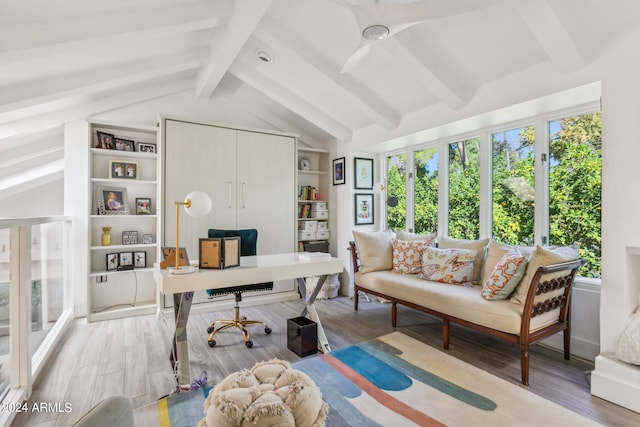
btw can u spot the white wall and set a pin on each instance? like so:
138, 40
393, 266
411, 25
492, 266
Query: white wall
45, 200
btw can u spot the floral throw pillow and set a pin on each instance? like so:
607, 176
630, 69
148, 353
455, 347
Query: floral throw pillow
407, 256
454, 266
506, 275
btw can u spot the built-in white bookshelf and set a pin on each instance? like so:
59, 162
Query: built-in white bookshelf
314, 176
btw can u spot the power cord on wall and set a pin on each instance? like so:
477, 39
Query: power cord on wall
135, 297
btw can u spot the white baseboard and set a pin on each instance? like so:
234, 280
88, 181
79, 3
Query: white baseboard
616, 381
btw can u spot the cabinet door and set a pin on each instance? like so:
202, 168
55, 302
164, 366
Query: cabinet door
199, 158
266, 189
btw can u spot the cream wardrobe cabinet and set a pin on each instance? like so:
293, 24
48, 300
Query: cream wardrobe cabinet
249, 175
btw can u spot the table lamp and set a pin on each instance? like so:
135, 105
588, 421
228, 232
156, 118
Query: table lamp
196, 204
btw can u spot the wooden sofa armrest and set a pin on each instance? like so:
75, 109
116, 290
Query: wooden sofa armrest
355, 259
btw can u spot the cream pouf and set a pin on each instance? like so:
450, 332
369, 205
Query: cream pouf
269, 394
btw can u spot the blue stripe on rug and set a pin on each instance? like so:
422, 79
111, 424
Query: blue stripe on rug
381, 374
382, 354
335, 389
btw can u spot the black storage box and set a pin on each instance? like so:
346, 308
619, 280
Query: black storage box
302, 336
316, 246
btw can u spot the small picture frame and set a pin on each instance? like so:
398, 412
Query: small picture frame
146, 147
119, 169
129, 237
140, 259
125, 260
338, 171
169, 256
125, 144
112, 201
112, 261
105, 140
363, 173
363, 204
147, 239
143, 206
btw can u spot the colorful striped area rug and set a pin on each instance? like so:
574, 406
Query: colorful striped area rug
396, 380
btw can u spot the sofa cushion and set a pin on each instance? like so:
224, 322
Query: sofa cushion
374, 250
407, 256
506, 275
429, 239
543, 257
479, 246
453, 266
495, 251
463, 302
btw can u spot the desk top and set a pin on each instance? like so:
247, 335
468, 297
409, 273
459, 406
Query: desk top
252, 269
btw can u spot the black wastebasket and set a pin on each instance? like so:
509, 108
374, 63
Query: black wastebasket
302, 336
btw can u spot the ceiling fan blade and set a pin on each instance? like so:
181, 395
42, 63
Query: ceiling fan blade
356, 57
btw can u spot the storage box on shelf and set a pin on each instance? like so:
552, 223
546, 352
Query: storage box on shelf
313, 186
123, 206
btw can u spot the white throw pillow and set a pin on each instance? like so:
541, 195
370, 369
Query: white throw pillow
453, 266
628, 349
429, 239
407, 256
374, 250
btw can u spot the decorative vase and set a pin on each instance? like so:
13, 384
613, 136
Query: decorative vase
106, 236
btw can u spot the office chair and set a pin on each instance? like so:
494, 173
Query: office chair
248, 246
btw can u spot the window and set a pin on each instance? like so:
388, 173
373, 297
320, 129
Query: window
396, 192
575, 167
464, 189
426, 190
513, 192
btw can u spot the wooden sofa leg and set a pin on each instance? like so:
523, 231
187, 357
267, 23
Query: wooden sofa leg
445, 334
567, 344
355, 299
394, 314
524, 364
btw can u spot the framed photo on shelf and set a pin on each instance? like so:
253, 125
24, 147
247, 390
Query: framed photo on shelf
363, 209
125, 144
338, 171
363, 173
119, 169
147, 239
146, 147
112, 261
112, 201
129, 237
105, 140
143, 206
140, 259
125, 260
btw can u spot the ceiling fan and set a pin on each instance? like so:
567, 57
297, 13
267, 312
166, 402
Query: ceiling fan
379, 20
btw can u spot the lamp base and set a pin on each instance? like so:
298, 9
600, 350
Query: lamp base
183, 269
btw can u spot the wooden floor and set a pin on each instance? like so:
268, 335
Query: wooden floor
130, 357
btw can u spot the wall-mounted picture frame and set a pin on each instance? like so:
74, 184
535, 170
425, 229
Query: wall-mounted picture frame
146, 147
119, 169
338, 171
112, 261
140, 259
129, 237
147, 239
112, 201
125, 260
125, 144
143, 206
363, 173
105, 140
363, 205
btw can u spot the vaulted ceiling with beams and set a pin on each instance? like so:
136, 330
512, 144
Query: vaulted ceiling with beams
299, 66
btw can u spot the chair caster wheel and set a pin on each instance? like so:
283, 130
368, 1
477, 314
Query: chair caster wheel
210, 329
249, 344
212, 343
267, 331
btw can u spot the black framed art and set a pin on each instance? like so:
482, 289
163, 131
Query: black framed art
363, 173
363, 206
338, 171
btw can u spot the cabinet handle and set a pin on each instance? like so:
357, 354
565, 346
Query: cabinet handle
244, 190
229, 183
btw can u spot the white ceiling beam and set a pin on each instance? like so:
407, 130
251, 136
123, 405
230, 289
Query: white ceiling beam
18, 40
291, 101
34, 98
245, 17
429, 71
32, 178
544, 23
354, 91
90, 107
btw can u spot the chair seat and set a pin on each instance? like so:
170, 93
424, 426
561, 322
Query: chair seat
267, 286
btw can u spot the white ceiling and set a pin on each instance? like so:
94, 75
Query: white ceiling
68, 59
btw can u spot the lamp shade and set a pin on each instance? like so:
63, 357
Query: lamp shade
198, 204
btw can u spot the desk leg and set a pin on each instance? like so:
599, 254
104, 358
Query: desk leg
180, 355
323, 343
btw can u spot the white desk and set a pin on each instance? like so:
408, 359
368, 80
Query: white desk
252, 269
